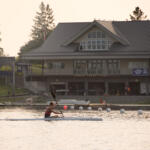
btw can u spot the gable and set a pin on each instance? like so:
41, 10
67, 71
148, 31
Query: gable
108, 29
93, 30
95, 39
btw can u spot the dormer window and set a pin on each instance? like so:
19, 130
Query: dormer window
96, 34
96, 40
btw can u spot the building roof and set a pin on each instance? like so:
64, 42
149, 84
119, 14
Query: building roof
133, 41
106, 27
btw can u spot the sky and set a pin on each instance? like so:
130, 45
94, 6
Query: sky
16, 16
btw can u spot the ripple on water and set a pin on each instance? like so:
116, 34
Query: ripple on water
116, 131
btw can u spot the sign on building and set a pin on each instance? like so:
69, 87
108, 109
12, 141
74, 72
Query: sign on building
140, 72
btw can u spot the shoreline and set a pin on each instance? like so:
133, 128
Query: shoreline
76, 107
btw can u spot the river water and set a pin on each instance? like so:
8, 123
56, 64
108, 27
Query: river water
117, 131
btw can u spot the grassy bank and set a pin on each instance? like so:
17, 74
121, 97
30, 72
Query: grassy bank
12, 99
6, 94
8, 91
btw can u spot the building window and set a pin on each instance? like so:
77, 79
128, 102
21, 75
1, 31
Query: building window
96, 34
80, 67
92, 67
93, 44
98, 44
56, 65
82, 45
96, 40
100, 66
95, 67
113, 66
132, 65
88, 67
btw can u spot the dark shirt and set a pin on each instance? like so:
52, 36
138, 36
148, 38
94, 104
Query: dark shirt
48, 112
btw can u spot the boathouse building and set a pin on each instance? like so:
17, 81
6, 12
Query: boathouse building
93, 58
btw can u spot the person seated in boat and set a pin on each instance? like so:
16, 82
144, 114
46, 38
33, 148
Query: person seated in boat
50, 110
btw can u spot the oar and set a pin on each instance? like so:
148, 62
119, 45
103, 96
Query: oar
53, 93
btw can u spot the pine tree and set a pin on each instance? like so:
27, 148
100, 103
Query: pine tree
43, 23
138, 14
43, 26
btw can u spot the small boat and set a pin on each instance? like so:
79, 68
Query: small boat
55, 119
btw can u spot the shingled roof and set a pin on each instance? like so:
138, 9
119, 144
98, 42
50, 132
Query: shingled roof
133, 41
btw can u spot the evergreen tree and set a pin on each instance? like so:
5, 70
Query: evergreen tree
43, 26
43, 23
138, 14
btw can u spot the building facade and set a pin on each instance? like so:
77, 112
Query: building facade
93, 58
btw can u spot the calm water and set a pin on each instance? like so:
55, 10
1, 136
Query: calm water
116, 132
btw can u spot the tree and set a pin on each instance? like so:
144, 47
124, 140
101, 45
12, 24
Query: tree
30, 45
138, 14
1, 50
43, 26
43, 23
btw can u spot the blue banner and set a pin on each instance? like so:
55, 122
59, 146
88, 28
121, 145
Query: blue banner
140, 72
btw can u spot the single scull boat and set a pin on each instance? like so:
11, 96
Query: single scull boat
55, 119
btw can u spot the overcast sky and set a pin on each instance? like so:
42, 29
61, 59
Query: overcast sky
16, 16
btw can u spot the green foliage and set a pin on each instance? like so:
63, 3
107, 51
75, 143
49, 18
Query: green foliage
36, 68
5, 68
7, 90
138, 14
31, 45
43, 26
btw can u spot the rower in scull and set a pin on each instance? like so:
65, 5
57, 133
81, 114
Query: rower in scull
50, 110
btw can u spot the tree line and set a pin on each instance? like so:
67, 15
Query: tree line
44, 25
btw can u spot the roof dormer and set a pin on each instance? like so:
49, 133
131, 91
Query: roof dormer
97, 36
94, 40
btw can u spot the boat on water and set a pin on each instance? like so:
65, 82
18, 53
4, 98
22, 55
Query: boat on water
54, 119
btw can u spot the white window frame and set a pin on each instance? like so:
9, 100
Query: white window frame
97, 37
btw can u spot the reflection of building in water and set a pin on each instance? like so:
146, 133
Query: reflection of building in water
93, 58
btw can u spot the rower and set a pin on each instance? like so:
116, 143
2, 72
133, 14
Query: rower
50, 109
